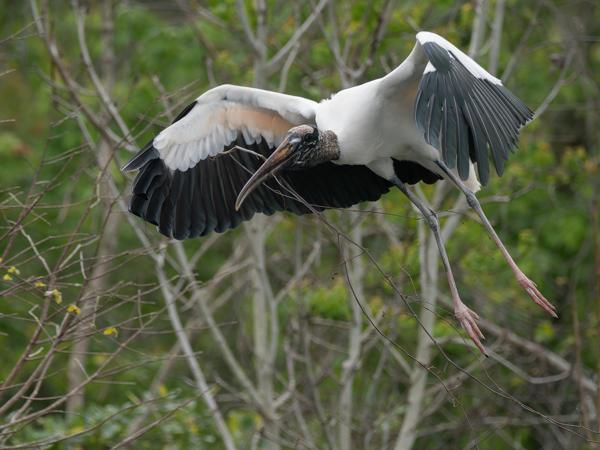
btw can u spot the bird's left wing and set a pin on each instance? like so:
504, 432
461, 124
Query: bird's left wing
191, 173
461, 109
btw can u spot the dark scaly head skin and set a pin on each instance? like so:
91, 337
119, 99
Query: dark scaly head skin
303, 146
310, 147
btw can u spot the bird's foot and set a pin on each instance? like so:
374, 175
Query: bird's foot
532, 290
468, 320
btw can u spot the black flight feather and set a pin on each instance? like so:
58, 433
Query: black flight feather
200, 200
466, 117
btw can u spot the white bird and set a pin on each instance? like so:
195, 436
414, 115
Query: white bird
439, 115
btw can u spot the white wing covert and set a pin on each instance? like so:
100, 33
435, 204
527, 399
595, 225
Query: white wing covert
221, 114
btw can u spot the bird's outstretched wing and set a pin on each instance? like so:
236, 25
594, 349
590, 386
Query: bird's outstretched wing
191, 173
462, 110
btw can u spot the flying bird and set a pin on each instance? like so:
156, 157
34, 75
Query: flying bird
236, 151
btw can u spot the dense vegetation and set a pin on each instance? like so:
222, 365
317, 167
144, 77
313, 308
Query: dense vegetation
303, 332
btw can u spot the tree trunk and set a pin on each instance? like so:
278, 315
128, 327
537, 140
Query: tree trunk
355, 269
429, 271
97, 285
264, 308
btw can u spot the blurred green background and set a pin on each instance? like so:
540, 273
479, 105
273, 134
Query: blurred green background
63, 225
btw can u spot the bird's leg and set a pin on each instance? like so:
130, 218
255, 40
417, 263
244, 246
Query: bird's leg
529, 286
466, 317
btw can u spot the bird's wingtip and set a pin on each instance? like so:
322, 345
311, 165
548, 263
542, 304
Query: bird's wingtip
146, 154
127, 167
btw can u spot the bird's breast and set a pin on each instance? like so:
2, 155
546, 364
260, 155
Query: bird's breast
353, 115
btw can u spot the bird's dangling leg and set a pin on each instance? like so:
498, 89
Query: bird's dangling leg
466, 317
529, 286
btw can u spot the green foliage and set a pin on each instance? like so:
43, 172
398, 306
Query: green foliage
183, 424
329, 302
542, 208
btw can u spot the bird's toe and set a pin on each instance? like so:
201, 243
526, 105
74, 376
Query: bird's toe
468, 321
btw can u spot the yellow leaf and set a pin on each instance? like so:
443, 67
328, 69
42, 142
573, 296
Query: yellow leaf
74, 309
7, 277
13, 270
110, 331
39, 284
56, 294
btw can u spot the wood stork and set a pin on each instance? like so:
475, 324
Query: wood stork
439, 115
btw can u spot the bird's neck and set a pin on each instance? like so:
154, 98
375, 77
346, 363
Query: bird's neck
328, 148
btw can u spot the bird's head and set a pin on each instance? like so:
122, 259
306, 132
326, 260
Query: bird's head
303, 146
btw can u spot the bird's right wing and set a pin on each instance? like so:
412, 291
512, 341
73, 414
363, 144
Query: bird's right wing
462, 110
218, 116
191, 173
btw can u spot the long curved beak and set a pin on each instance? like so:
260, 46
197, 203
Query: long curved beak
269, 168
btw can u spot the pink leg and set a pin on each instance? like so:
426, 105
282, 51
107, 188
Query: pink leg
464, 315
525, 282
467, 319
